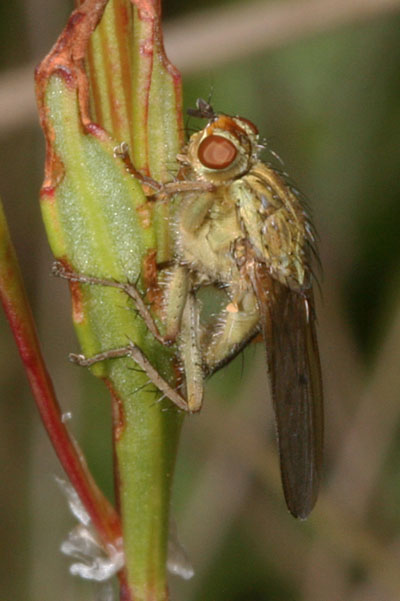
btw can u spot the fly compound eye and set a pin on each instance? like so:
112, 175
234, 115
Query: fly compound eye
216, 152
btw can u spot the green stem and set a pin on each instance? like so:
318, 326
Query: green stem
146, 443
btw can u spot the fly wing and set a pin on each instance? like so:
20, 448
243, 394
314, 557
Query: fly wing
288, 324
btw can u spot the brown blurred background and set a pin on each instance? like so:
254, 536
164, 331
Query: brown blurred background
321, 80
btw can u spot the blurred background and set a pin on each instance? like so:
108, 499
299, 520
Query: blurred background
321, 81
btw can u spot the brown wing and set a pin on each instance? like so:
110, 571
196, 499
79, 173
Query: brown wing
288, 324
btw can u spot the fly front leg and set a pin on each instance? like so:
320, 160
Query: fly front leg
159, 190
184, 186
122, 152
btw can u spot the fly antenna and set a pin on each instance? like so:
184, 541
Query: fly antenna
203, 110
211, 94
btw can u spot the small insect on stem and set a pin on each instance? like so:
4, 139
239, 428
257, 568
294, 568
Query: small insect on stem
237, 224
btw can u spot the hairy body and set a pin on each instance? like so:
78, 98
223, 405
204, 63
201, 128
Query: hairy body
238, 224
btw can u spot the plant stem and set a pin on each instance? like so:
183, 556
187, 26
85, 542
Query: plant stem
107, 81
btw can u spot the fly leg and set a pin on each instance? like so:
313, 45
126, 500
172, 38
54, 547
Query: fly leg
190, 353
237, 325
129, 289
180, 314
135, 353
182, 323
159, 190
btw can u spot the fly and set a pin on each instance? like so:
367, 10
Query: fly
237, 224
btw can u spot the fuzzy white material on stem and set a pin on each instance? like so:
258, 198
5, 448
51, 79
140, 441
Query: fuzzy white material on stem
96, 563
99, 564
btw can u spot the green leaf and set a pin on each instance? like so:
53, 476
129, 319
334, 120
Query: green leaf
100, 224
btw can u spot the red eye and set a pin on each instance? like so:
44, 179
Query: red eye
216, 152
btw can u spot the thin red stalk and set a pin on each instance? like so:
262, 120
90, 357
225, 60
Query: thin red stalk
104, 517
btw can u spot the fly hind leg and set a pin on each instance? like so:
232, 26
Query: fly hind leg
189, 347
135, 353
238, 324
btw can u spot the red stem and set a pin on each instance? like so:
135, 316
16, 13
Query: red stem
103, 515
